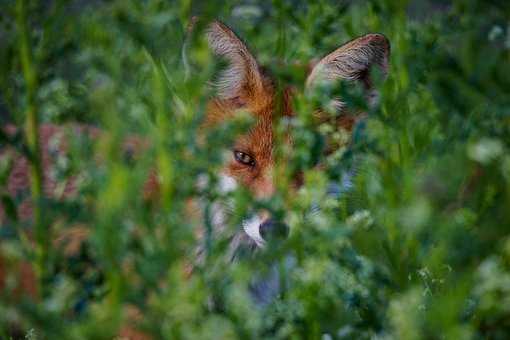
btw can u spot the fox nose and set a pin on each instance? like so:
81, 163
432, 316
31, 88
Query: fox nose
272, 229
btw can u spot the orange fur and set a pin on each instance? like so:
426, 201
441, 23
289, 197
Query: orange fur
245, 86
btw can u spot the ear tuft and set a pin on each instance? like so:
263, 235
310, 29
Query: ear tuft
353, 60
243, 72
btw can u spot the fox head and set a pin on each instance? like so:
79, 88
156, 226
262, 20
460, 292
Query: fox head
245, 86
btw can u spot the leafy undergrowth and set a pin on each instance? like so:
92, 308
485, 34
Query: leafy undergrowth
416, 246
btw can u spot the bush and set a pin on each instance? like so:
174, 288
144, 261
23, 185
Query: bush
417, 246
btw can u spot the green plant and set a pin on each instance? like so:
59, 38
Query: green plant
417, 248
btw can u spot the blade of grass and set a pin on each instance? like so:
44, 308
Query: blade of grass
32, 140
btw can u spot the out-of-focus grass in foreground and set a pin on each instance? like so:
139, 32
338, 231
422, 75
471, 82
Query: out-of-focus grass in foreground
419, 248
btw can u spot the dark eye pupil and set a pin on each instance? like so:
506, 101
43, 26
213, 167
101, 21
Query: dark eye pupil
243, 158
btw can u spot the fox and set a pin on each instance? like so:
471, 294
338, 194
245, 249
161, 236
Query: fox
244, 85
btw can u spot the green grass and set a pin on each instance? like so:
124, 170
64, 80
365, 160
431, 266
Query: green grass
418, 249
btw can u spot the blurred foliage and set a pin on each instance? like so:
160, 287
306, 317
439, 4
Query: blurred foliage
418, 248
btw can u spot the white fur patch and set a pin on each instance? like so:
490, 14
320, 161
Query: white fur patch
252, 229
250, 226
218, 217
227, 184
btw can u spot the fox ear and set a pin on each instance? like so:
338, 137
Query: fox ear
353, 61
242, 77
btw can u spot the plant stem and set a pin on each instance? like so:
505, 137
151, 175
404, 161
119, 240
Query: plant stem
32, 139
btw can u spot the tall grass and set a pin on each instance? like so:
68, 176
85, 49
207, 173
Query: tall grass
417, 247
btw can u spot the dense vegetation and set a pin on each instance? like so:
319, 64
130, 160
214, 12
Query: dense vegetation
418, 247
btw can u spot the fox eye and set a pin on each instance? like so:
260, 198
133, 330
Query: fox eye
244, 158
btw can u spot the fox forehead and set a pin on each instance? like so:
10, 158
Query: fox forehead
258, 140
266, 108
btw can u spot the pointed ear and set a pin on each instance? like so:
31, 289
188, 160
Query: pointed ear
353, 61
243, 77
